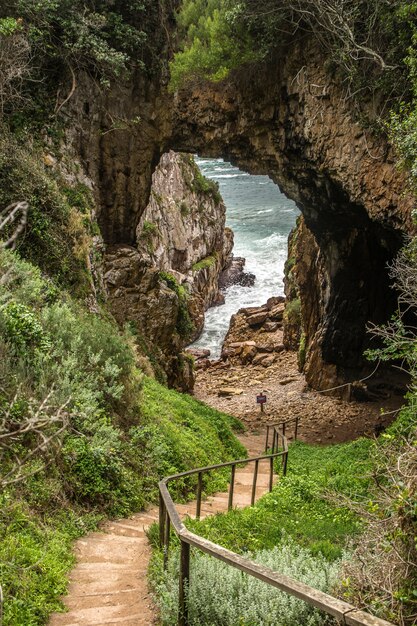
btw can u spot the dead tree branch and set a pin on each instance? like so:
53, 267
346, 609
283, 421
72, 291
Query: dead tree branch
17, 212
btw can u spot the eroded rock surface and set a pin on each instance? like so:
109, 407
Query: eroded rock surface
290, 120
165, 283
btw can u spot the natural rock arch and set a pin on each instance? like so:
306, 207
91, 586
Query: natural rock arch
291, 121
288, 119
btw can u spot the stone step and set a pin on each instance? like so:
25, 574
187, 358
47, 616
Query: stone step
108, 586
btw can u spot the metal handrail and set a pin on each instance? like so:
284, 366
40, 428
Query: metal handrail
168, 515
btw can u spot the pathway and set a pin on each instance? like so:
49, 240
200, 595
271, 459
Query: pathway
108, 586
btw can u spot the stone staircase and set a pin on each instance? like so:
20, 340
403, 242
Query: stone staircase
108, 586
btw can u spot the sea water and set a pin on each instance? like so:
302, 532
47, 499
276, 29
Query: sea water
261, 218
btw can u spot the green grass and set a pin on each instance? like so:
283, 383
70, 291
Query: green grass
298, 505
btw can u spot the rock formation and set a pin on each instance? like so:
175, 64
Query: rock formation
165, 283
287, 118
255, 334
290, 120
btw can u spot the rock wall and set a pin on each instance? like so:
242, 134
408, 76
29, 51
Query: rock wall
290, 120
164, 284
182, 232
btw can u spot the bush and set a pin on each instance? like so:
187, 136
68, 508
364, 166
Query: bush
57, 236
184, 325
219, 594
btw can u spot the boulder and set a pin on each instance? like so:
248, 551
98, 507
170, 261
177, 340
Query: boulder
224, 392
257, 319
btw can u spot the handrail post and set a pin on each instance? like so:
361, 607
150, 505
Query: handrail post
285, 461
296, 428
271, 473
199, 492
267, 438
184, 584
161, 521
166, 539
255, 478
283, 429
232, 488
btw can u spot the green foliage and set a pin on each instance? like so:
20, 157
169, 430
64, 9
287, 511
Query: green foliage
148, 233
9, 26
55, 237
194, 435
34, 553
298, 506
103, 38
211, 44
184, 325
222, 595
202, 185
124, 433
208, 261
302, 352
22, 329
293, 311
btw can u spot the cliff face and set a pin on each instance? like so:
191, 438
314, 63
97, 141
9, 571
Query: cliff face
165, 283
292, 122
182, 231
289, 120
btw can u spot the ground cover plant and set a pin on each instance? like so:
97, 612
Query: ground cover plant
297, 529
354, 499
83, 434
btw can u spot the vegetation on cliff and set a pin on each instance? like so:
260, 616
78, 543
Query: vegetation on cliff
365, 41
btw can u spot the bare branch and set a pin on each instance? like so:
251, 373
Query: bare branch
14, 212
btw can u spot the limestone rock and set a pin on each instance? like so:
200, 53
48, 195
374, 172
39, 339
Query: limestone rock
229, 391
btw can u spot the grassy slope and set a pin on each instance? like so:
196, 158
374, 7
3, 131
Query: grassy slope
298, 505
124, 432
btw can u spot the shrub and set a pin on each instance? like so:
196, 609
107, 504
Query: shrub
219, 594
184, 325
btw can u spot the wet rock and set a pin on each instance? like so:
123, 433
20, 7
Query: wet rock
234, 274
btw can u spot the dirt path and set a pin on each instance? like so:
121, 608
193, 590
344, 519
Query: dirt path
108, 586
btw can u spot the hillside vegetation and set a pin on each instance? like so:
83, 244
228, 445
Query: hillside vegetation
84, 433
